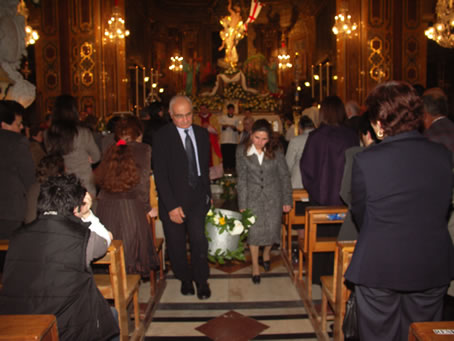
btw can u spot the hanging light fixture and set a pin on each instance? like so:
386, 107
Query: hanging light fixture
343, 24
442, 32
116, 25
177, 63
31, 35
284, 58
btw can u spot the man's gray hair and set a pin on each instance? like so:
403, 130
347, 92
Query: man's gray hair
175, 98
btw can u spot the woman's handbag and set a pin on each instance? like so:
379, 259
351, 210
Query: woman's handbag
350, 324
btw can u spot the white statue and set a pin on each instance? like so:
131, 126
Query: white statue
13, 15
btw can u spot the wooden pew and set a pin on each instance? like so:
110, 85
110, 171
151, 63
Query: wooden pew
316, 215
117, 286
28, 327
4, 244
424, 331
332, 284
121, 288
291, 219
159, 246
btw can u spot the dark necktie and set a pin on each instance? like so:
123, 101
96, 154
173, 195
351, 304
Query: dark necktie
192, 165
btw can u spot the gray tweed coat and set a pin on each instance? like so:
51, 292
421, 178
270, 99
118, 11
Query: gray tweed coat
264, 189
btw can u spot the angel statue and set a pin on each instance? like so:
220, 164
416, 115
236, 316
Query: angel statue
235, 29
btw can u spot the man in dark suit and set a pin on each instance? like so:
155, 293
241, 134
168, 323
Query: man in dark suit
181, 154
17, 170
438, 127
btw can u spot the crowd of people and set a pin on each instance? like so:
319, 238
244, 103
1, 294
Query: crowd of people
390, 162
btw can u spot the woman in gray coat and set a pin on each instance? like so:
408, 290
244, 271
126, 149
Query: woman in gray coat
264, 187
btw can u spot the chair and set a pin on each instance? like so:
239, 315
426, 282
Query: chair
311, 244
120, 287
28, 327
331, 284
424, 331
159, 246
291, 219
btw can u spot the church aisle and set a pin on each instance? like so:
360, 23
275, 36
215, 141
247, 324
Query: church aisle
237, 309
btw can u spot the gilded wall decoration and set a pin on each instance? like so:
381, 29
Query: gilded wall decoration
378, 59
412, 53
50, 59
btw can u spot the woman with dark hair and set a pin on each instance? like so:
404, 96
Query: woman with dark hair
348, 230
124, 199
323, 159
76, 143
322, 166
401, 195
263, 187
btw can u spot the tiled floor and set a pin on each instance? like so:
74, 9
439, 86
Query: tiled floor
239, 304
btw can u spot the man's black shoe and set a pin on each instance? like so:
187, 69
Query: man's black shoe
187, 288
203, 291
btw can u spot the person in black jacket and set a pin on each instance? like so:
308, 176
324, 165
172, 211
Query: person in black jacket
17, 170
47, 269
181, 157
401, 196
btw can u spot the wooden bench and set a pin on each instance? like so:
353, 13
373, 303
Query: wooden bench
121, 288
28, 328
4, 244
159, 246
333, 287
311, 244
291, 219
424, 331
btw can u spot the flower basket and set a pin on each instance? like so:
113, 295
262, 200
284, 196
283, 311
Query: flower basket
226, 231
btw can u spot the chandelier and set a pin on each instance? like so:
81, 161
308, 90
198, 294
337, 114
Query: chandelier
177, 63
31, 35
343, 24
284, 58
443, 30
116, 25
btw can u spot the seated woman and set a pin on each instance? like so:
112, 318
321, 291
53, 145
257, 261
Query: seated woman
401, 195
263, 187
124, 199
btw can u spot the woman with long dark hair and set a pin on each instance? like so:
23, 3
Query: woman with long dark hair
264, 187
76, 143
401, 196
124, 198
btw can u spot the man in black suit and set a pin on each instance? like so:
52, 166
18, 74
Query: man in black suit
17, 170
181, 154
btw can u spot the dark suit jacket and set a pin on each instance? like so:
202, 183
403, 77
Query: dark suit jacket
17, 174
170, 167
401, 193
442, 131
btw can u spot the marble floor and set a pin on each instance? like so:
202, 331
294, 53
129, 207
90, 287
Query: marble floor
237, 309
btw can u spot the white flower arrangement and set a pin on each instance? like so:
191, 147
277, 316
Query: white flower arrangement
232, 226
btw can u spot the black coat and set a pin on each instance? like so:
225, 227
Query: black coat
401, 194
17, 174
170, 166
46, 273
